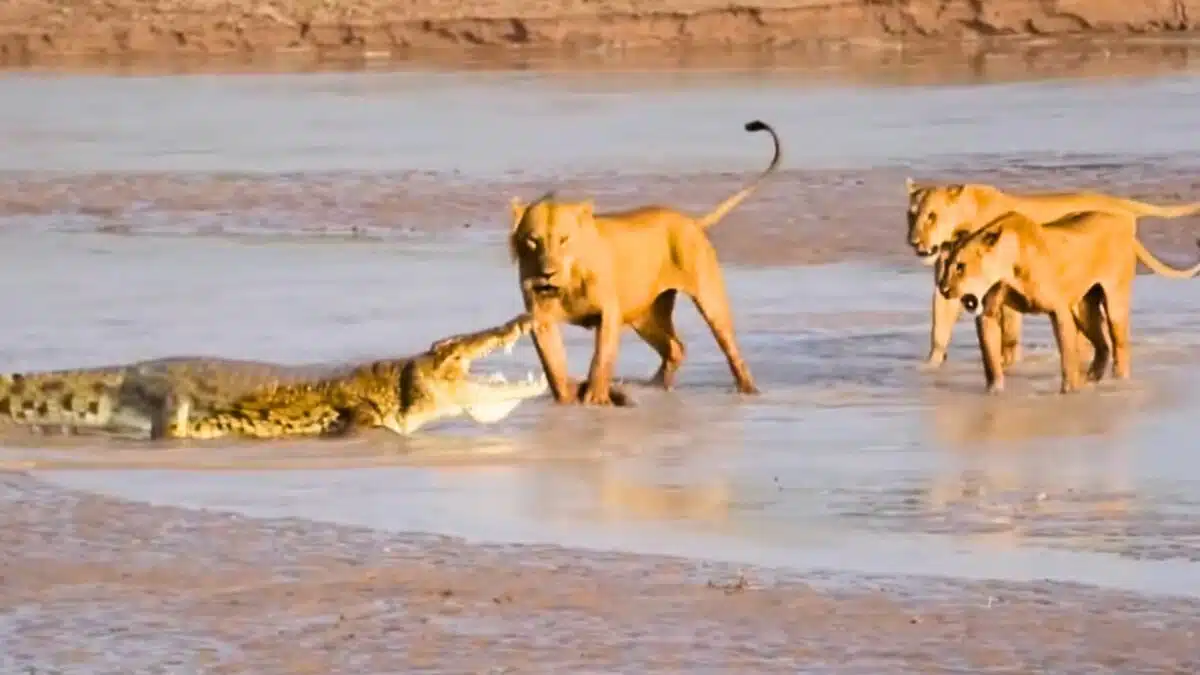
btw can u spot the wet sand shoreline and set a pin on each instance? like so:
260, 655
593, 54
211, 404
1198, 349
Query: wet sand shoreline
799, 217
165, 587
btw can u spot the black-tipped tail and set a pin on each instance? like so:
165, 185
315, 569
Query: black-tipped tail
759, 125
709, 219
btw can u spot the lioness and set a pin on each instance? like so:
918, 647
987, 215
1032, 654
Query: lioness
604, 271
1070, 268
940, 214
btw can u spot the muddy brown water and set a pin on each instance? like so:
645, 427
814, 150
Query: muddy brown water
292, 218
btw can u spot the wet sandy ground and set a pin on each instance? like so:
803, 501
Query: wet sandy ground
800, 217
214, 593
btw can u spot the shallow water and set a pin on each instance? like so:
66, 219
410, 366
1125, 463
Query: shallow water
487, 124
852, 459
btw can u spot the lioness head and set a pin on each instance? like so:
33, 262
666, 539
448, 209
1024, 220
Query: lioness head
545, 240
935, 212
977, 264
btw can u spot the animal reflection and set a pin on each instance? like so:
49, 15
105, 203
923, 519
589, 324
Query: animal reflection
1016, 473
622, 497
965, 421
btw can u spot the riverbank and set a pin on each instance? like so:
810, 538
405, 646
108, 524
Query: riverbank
224, 594
36, 31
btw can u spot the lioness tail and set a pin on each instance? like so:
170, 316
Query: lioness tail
1159, 267
1172, 211
709, 219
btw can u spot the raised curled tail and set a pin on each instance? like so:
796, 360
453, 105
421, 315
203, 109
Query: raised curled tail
1172, 211
709, 219
1159, 267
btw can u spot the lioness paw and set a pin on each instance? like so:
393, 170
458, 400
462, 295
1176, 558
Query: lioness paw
617, 396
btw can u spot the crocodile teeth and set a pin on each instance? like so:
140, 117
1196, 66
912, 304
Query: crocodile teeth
508, 348
497, 377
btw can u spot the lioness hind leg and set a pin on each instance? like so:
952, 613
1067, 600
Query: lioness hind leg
1117, 307
1089, 318
712, 302
657, 329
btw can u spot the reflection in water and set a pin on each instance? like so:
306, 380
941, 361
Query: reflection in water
373, 448
623, 495
616, 490
1030, 467
966, 420
660, 461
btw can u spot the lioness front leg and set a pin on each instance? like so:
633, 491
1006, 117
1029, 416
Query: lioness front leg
548, 342
1010, 336
1067, 337
945, 314
987, 328
608, 342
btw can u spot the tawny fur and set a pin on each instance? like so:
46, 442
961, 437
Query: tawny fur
940, 214
605, 271
1078, 269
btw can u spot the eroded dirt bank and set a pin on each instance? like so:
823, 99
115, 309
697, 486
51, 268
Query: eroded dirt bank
110, 586
31, 30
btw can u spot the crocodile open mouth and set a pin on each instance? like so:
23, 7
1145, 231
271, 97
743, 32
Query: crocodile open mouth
491, 396
494, 397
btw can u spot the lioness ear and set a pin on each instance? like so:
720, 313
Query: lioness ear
587, 209
954, 191
909, 185
518, 211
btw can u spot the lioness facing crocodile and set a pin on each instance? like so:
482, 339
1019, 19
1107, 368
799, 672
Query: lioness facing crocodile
206, 398
605, 271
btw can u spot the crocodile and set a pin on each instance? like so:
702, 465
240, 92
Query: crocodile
205, 398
